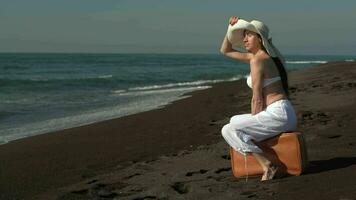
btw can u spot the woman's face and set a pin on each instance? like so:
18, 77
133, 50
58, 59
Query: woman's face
252, 41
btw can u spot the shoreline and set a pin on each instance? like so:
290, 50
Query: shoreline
46, 130
52, 130
56, 164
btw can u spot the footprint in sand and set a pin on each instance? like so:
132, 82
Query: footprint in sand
180, 188
202, 171
343, 86
92, 181
248, 194
226, 157
333, 136
80, 191
292, 90
311, 118
351, 85
133, 175
145, 197
106, 194
220, 170
316, 85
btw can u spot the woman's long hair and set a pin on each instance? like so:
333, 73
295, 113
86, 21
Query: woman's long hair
282, 71
283, 74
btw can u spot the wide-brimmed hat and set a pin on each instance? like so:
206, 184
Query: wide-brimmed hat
235, 34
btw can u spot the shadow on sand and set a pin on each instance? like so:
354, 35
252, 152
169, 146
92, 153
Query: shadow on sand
318, 166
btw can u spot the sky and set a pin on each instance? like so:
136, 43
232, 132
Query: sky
300, 27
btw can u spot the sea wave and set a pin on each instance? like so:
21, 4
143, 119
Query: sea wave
183, 84
160, 91
105, 76
118, 91
12, 67
307, 62
42, 81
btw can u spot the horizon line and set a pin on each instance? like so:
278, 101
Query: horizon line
167, 53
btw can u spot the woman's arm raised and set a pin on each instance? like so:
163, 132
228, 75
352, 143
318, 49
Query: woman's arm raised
226, 47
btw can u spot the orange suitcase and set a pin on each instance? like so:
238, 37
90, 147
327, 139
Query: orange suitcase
288, 150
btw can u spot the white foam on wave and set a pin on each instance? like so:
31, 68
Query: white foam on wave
106, 76
172, 87
168, 90
182, 84
118, 91
349, 60
307, 62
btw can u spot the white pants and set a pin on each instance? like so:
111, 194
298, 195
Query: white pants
278, 117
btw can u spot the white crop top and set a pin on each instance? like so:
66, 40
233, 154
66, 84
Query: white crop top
265, 82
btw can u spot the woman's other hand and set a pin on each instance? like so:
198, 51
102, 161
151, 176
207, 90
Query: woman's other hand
233, 20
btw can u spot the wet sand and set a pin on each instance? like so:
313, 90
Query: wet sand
177, 152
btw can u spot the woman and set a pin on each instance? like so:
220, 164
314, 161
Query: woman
271, 111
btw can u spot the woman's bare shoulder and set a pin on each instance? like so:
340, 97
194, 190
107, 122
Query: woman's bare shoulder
262, 60
268, 66
262, 63
259, 60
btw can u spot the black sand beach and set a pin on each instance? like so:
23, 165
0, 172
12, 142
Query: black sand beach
177, 152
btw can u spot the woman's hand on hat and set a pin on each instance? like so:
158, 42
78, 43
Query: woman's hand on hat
233, 20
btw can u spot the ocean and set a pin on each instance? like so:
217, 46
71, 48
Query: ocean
43, 92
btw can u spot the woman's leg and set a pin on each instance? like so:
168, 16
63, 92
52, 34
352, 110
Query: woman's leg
244, 128
268, 167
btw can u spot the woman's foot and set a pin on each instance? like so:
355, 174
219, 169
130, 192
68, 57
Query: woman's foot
269, 173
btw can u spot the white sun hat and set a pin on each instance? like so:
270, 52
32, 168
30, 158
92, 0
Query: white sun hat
235, 34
